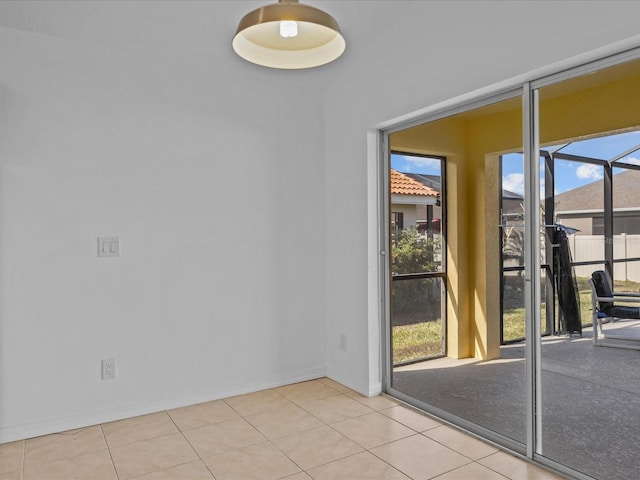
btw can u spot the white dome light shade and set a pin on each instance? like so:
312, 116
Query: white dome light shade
314, 40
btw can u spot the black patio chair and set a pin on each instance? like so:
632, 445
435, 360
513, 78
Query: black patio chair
603, 305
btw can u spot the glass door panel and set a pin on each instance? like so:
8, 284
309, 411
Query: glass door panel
590, 395
450, 304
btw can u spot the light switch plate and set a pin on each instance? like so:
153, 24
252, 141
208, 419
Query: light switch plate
108, 246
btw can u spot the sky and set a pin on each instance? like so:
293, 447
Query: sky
569, 174
415, 164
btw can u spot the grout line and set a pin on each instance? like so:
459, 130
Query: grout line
451, 448
406, 474
24, 454
391, 465
200, 458
66, 457
113, 464
287, 456
493, 469
186, 440
324, 423
259, 413
336, 460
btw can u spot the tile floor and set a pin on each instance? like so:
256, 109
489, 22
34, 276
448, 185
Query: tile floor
312, 430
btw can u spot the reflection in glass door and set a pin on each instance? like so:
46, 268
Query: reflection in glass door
512, 247
590, 395
512, 235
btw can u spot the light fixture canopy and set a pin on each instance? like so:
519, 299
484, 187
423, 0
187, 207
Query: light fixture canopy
288, 35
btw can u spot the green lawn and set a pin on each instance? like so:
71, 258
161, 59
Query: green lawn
422, 339
417, 341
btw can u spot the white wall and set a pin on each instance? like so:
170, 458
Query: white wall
214, 181
427, 52
410, 215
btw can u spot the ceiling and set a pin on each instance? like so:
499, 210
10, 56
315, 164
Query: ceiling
402, 36
204, 27
185, 25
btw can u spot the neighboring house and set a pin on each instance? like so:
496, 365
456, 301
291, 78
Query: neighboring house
583, 207
512, 207
416, 206
413, 204
428, 216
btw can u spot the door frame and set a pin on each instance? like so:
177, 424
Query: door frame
526, 85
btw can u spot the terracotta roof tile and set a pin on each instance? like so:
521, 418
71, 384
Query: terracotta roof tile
402, 184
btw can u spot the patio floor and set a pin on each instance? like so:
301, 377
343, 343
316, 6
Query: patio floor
590, 398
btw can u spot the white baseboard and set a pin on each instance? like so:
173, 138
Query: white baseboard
89, 418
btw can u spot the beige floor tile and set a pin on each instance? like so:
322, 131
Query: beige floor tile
335, 409
64, 445
284, 421
420, 457
300, 392
312, 448
222, 437
412, 419
461, 442
257, 462
363, 466
335, 385
298, 476
379, 402
372, 430
513, 467
188, 471
89, 466
258, 402
152, 455
136, 429
202, 414
11, 475
11, 456
472, 471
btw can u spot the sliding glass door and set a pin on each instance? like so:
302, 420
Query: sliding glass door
542, 190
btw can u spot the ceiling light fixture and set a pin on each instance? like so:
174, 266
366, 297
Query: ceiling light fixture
288, 35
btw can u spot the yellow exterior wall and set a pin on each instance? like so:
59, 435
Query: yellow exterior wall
472, 142
587, 112
487, 137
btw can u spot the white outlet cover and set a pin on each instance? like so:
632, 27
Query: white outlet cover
108, 369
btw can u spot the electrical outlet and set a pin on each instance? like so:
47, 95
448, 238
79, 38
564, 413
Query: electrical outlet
108, 369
